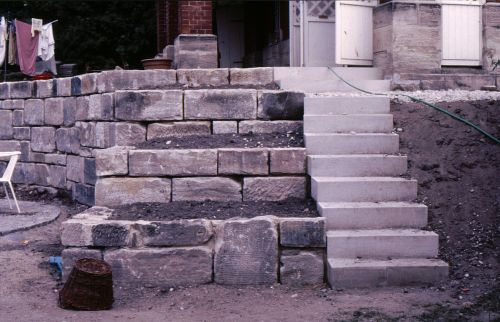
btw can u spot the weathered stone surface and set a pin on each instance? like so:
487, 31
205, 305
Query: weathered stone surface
274, 188
251, 76
194, 51
161, 267
64, 86
227, 104
288, 160
83, 193
148, 105
112, 161
13, 104
57, 176
243, 161
184, 232
111, 234
173, 162
203, 77
77, 232
21, 133
89, 171
18, 118
302, 268
124, 134
75, 168
68, 140
270, 126
160, 130
43, 139
44, 88
54, 111
96, 135
31, 173
6, 129
225, 127
84, 84
71, 255
200, 189
58, 159
21, 89
277, 105
303, 232
118, 191
4, 91
114, 80
34, 112
100, 107
246, 251
10, 146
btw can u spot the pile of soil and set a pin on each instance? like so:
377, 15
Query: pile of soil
458, 171
216, 210
215, 141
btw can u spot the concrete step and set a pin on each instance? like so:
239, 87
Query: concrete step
352, 143
373, 215
356, 165
334, 85
359, 123
367, 189
355, 273
323, 73
382, 243
338, 105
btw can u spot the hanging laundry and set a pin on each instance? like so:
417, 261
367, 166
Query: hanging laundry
46, 50
36, 26
3, 39
12, 46
27, 47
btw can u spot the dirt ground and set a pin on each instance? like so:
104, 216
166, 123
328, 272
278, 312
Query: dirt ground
458, 172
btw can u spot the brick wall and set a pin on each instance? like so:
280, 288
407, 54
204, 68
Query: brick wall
195, 17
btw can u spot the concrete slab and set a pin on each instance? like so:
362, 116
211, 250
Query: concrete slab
34, 215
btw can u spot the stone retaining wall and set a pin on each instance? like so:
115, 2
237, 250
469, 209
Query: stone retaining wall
59, 125
260, 250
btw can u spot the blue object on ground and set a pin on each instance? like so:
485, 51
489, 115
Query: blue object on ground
57, 261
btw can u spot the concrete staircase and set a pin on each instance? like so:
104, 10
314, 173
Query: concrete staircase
374, 233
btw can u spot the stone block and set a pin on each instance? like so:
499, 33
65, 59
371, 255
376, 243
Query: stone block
110, 81
89, 171
112, 192
44, 88
69, 111
57, 176
4, 91
6, 129
227, 104
34, 112
75, 168
111, 234
161, 130
54, 111
225, 127
21, 89
43, 139
194, 51
303, 232
112, 161
84, 194
277, 105
246, 251
82, 108
302, 268
203, 77
31, 173
10, 145
201, 189
58, 159
100, 107
96, 135
18, 118
77, 232
429, 15
71, 255
167, 267
274, 188
261, 76
183, 232
13, 105
246, 127
148, 105
173, 162
21, 133
243, 161
64, 86
84, 84
68, 140
125, 134
288, 160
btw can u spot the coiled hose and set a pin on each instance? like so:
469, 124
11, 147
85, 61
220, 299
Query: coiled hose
417, 100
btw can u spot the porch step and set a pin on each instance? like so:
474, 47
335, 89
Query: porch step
353, 143
361, 273
356, 165
375, 215
367, 189
382, 243
339, 105
324, 86
323, 73
359, 123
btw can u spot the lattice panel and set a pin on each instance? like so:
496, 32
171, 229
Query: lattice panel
296, 6
316, 8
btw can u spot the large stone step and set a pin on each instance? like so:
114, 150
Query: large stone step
325, 86
324, 73
382, 243
361, 273
352, 143
356, 165
373, 215
338, 105
360, 123
368, 189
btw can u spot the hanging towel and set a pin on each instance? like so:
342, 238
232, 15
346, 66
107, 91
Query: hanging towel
46, 51
36, 25
12, 46
3, 39
27, 47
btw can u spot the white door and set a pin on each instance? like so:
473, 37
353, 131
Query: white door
230, 36
354, 32
318, 35
462, 29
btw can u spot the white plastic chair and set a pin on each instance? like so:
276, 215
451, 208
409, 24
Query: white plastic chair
7, 176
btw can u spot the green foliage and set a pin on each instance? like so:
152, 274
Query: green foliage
95, 34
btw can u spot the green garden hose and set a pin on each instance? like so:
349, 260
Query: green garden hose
414, 99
